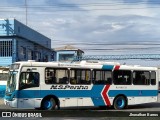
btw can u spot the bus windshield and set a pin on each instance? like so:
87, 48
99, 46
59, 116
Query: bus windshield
11, 83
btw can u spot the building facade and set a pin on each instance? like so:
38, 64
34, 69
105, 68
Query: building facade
18, 42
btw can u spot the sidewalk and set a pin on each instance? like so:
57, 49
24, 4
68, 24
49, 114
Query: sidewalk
1, 101
2, 105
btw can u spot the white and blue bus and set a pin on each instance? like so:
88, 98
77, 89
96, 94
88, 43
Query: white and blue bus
3, 80
52, 85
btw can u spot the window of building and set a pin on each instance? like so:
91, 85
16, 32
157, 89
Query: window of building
5, 48
56, 76
153, 78
66, 57
29, 79
122, 77
23, 52
141, 78
102, 77
80, 76
32, 55
29, 54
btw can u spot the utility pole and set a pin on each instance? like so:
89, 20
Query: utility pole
26, 11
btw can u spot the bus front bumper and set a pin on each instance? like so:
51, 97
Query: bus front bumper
12, 103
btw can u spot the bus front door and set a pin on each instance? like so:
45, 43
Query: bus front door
28, 98
29, 92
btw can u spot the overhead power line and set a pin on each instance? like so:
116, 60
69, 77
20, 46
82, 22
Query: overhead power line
88, 4
83, 7
74, 10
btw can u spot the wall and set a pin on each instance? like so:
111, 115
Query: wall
5, 61
26, 48
6, 46
6, 27
32, 35
24, 42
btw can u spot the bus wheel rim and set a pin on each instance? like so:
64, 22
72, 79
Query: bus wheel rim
120, 103
47, 104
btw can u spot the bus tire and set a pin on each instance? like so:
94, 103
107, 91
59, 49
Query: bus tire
120, 103
48, 104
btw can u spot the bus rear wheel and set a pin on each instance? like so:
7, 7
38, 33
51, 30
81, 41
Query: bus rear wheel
48, 104
120, 103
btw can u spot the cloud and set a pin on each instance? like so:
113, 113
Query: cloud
133, 1
93, 25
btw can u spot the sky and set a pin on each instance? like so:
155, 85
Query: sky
98, 27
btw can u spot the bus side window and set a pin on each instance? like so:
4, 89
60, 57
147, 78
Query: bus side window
80, 76
50, 76
62, 76
141, 78
56, 76
122, 77
102, 77
72, 77
73, 81
153, 78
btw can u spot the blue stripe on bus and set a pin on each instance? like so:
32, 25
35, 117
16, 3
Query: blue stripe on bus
84, 93
2, 90
94, 93
130, 93
62, 93
107, 67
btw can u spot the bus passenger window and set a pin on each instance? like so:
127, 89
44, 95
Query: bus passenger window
62, 76
56, 76
122, 77
50, 76
80, 76
153, 78
102, 77
141, 78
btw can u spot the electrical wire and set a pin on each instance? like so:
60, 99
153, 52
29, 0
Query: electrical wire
84, 7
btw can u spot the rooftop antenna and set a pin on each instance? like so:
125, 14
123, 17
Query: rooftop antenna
26, 10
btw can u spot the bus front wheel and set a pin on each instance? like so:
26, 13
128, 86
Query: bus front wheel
49, 104
120, 103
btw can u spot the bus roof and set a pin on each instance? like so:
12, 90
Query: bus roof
84, 64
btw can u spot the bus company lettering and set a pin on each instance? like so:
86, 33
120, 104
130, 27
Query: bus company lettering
67, 65
71, 87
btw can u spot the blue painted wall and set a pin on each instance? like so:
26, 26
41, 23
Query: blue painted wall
5, 61
6, 27
32, 35
26, 42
